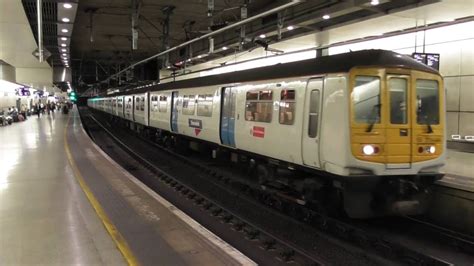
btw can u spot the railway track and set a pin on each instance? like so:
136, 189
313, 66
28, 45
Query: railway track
297, 245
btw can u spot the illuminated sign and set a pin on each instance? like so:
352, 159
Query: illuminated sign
431, 60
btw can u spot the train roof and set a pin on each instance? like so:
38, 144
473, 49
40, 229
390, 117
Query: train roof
321, 65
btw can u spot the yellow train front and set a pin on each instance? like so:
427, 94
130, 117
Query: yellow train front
397, 139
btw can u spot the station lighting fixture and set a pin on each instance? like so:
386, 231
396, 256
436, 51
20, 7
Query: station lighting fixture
189, 60
374, 2
63, 39
63, 44
224, 48
199, 56
64, 30
262, 36
64, 54
63, 50
326, 16
66, 20
290, 28
67, 5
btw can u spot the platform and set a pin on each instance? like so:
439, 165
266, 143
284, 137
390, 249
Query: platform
63, 201
459, 170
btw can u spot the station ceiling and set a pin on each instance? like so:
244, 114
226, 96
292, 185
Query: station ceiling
101, 42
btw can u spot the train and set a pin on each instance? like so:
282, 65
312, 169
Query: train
363, 131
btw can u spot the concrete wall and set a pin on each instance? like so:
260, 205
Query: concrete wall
455, 44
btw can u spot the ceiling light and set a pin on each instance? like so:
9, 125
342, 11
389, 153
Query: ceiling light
67, 5
64, 54
189, 60
63, 44
374, 2
63, 50
66, 20
262, 36
64, 30
63, 39
290, 28
326, 16
224, 48
199, 56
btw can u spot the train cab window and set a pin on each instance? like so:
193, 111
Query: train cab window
398, 100
287, 107
427, 98
163, 104
259, 106
188, 104
204, 105
366, 99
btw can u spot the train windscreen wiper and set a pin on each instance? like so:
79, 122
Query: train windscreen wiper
428, 124
374, 115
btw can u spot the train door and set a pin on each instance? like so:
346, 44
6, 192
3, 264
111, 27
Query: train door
311, 118
227, 130
398, 148
174, 111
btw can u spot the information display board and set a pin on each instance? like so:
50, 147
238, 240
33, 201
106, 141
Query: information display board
431, 60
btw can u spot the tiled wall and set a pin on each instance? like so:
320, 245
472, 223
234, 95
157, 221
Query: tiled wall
455, 44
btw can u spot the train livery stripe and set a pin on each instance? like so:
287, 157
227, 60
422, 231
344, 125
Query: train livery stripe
231, 131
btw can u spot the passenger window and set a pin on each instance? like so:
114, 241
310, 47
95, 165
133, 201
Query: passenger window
398, 100
366, 99
163, 104
204, 105
287, 107
259, 106
142, 106
314, 113
188, 104
427, 98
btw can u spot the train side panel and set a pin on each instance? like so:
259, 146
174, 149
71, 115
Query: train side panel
140, 108
267, 122
128, 107
160, 110
120, 106
198, 113
334, 131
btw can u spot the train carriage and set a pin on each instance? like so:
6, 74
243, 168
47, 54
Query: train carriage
368, 125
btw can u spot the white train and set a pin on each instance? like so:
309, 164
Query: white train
366, 128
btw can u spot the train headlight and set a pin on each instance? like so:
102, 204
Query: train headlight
368, 149
432, 149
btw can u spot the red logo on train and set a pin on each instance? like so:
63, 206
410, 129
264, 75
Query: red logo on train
258, 132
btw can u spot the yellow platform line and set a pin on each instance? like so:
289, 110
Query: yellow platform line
119, 240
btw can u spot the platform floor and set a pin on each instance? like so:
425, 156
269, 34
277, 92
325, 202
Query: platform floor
45, 217
58, 190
